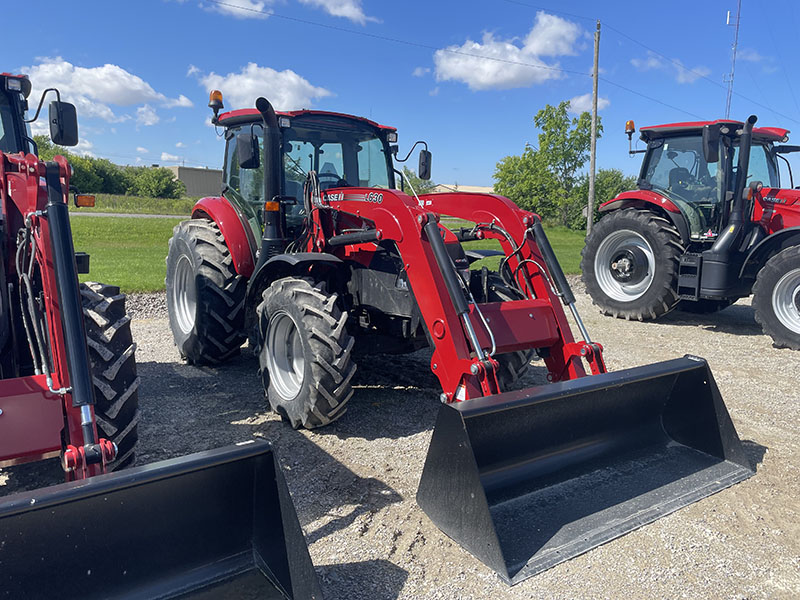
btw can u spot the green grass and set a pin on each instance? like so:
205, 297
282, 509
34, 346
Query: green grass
139, 206
566, 243
127, 252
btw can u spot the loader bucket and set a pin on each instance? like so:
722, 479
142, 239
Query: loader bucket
217, 524
528, 479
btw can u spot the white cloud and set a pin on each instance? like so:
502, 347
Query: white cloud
180, 145
94, 89
181, 101
749, 55
142, 150
284, 89
242, 9
580, 104
146, 115
550, 36
674, 66
84, 148
421, 71
348, 9
167, 157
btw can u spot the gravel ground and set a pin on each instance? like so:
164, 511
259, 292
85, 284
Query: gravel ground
354, 482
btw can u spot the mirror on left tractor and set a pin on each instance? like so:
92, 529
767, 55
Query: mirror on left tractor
63, 123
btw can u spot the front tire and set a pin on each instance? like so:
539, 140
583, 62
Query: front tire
776, 298
305, 359
630, 265
113, 366
205, 295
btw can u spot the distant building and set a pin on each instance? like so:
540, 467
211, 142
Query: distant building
199, 182
478, 189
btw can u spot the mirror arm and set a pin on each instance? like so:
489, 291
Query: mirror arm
410, 151
41, 101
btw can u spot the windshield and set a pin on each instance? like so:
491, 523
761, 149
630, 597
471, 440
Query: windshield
342, 152
8, 136
676, 168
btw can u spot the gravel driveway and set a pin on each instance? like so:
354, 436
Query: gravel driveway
354, 482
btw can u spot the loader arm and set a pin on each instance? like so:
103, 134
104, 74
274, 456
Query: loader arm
535, 322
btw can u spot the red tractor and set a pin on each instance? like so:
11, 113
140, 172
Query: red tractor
316, 253
68, 384
708, 224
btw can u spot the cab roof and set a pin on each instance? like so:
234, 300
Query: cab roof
770, 134
248, 115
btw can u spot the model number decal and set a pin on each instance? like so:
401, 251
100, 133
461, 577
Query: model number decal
374, 197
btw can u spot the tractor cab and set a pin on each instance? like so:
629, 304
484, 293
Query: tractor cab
344, 151
693, 165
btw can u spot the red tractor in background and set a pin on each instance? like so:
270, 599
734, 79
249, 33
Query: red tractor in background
316, 254
68, 383
708, 224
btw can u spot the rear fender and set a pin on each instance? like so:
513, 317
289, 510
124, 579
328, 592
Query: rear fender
768, 247
234, 228
647, 200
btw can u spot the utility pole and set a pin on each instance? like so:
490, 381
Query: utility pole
733, 56
593, 146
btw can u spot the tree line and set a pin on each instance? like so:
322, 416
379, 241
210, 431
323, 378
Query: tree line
548, 179
101, 176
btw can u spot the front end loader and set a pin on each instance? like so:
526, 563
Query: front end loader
216, 524
314, 254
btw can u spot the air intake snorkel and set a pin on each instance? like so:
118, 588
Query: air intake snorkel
273, 240
733, 231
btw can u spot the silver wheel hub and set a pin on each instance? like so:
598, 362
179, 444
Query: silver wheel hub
285, 358
786, 300
624, 265
184, 294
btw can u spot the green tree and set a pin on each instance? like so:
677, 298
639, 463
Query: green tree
421, 186
607, 184
544, 179
157, 182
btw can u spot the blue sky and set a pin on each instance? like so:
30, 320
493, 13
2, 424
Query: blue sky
139, 71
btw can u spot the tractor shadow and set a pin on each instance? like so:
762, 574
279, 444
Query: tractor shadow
738, 319
397, 396
198, 408
374, 580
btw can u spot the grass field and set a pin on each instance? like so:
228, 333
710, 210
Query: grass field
130, 252
127, 252
135, 205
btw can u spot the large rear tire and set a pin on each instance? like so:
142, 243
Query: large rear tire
776, 298
630, 264
305, 359
113, 365
488, 286
205, 295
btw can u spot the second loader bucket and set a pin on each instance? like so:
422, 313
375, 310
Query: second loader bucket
217, 524
528, 479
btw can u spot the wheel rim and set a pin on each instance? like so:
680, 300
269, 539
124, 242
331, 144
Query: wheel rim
786, 300
184, 294
285, 359
624, 265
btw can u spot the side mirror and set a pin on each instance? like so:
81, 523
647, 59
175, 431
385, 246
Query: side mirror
247, 151
711, 143
63, 123
424, 170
